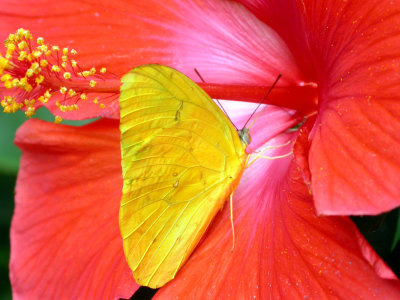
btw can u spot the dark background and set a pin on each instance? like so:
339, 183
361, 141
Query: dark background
383, 231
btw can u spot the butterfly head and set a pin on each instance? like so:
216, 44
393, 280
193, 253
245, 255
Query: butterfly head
244, 135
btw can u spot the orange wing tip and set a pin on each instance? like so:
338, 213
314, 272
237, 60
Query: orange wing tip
34, 72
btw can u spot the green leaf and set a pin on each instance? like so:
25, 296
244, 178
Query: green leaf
9, 123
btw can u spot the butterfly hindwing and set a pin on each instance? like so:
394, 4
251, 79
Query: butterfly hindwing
181, 159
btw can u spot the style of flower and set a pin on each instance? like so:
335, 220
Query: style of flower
339, 61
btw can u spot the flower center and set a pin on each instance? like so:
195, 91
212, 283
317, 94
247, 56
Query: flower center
35, 72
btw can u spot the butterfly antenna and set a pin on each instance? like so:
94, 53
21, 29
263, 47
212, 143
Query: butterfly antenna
261, 102
219, 103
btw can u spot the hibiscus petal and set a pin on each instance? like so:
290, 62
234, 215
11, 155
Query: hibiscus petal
355, 152
222, 39
65, 239
282, 249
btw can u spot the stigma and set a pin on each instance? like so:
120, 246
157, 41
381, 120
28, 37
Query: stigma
34, 73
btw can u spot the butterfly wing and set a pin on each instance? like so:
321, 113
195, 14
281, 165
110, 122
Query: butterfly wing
181, 159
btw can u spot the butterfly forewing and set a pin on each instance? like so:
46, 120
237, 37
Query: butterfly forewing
181, 159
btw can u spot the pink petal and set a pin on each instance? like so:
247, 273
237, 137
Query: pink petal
355, 152
282, 249
65, 239
351, 50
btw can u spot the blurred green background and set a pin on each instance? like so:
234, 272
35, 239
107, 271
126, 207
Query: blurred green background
383, 231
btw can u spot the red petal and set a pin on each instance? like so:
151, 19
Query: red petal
355, 153
222, 39
65, 239
282, 249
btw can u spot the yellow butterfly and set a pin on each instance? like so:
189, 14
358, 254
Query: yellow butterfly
181, 160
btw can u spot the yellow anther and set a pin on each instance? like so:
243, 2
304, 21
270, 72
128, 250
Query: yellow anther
55, 48
64, 58
55, 68
83, 97
30, 111
73, 52
35, 67
103, 70
47, 94
4, 64
65, 51
63, 90
6, 77
29, 72
92, 71
71, 93
102, 105
11, 37
37, 54
67, 75
40, 41
11, 47
8, 84
43, 63
96, 100
43, 48
27, 87
22, 56
64, 64
39, 79
73, 63
22, 45
47, 53
16, 82
85, 73
57, 119
58, 103
92, 83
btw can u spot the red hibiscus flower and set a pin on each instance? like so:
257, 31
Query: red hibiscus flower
339, 61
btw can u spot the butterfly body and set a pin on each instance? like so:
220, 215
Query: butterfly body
181, 160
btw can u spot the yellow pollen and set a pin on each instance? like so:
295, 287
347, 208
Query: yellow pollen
4, 64
35, 67
85, 73
37, 54
73, 52
44, 63
47, 94
8, 84
55, 48
67, 75
103, 70
11, 37
102, 105
6, 77
63, 90
22, 56
22, 45
92, 83
55, 68
64, 58
39, 79
65, 51
83, 97
64, 64
71, 93
73, 63
40, 41
92, 71
57, 119
95, 100
29, 72
30, 111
